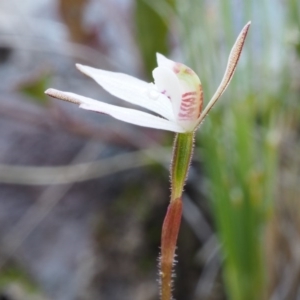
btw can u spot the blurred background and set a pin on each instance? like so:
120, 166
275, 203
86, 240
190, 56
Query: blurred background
83, 196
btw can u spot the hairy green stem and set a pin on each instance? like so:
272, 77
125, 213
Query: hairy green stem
182, 154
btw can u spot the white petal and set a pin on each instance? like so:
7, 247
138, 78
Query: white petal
121, 113
168, 83
162, 61
129, 89
233, 59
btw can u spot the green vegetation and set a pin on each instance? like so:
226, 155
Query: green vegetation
240, 141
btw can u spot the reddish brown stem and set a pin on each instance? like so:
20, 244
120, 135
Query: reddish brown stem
168, 245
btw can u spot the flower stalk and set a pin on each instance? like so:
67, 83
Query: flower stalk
182, 154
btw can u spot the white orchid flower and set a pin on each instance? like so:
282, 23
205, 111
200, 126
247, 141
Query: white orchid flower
176, 94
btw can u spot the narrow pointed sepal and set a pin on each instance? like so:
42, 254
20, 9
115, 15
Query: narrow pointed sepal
233, 59
128, 115
130, 89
